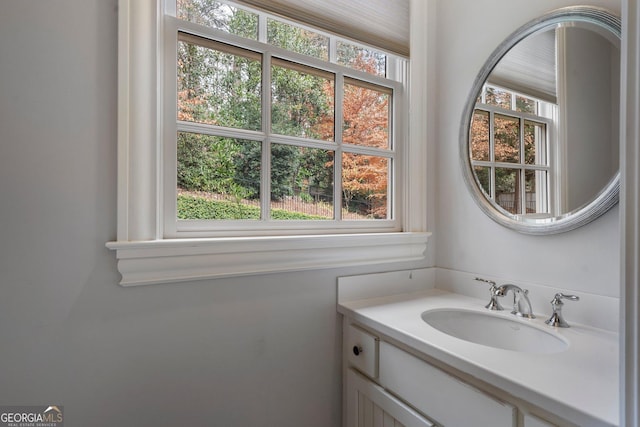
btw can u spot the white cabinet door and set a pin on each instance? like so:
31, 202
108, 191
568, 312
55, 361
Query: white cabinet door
369, 405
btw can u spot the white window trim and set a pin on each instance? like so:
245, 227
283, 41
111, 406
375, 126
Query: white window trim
146, 257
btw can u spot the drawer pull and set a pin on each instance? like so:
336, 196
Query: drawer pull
357, 350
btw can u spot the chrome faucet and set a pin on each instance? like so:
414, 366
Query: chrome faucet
521, 303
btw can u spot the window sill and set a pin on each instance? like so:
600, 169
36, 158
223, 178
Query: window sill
178, 260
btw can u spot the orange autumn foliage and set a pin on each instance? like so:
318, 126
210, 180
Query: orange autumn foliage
365, 123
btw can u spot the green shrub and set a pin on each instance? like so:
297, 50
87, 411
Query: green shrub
194, 207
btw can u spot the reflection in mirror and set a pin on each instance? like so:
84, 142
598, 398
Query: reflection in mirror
541, 130
509, 135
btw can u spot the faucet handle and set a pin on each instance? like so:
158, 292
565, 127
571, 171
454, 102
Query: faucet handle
556, 318
494, 304
557, 299
491, 282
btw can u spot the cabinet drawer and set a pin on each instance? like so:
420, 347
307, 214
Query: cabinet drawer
362, 350
443, 398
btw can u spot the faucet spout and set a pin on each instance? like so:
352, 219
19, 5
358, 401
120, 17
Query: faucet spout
521, 304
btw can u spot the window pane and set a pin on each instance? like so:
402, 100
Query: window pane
297, 39
535, 143
508, 189
219, 16
301, 183
483, 177
480, 135
526, 105
302, 101
536, 191
218, 178
366, 116
499, 98
365, 186
363, 59
218, 88
507, 139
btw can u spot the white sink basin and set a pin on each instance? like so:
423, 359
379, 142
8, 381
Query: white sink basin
494, 331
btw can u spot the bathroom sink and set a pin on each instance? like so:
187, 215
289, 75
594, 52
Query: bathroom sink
494, 330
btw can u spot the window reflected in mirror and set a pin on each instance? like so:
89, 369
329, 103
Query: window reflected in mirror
509, 150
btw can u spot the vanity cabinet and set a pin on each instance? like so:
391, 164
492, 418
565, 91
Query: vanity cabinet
388, 386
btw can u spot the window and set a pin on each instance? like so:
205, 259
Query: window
509, 151
249, 143
276, 128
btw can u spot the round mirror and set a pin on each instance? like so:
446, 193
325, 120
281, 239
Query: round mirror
539, 135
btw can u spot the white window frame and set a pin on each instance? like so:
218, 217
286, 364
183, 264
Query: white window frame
146, 255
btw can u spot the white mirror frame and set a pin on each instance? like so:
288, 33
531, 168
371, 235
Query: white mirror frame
607, 198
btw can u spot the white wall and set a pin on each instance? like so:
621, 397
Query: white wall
584, 260
252, 351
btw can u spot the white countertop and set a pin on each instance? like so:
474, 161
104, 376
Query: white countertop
579, 384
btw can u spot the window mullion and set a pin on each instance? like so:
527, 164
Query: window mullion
262, 28
492, 130
168, 111
337, 163
492, 155
265, 172
207, 129
333, 50
521, 139
523, 175
169, 7
391, 69
521, 190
